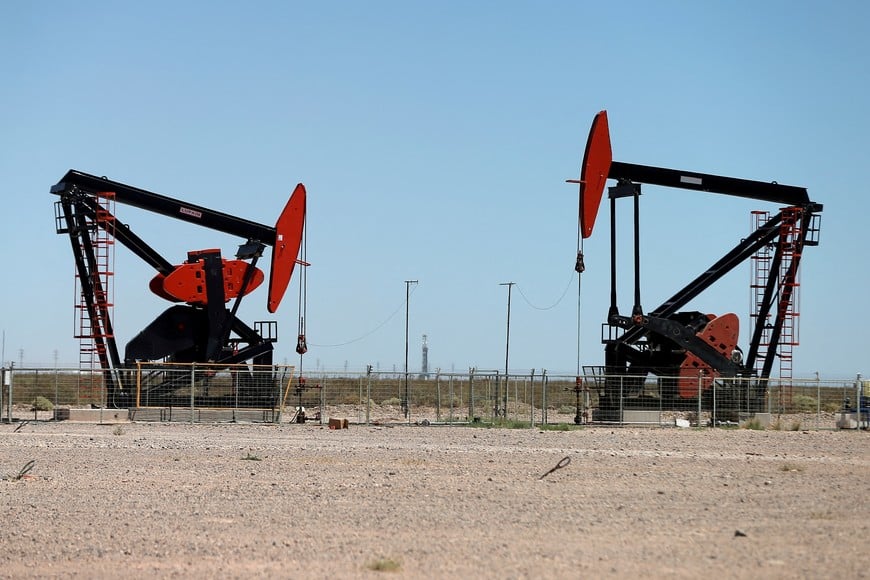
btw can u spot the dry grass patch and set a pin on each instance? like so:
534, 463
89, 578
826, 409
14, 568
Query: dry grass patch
384, 565
790, 467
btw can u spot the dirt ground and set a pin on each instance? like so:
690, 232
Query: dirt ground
281, 501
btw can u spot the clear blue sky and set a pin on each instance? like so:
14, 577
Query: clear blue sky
434, 140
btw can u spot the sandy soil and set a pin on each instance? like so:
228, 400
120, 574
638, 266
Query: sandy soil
202, 501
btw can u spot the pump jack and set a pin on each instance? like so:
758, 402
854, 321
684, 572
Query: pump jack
689, 350
200, 328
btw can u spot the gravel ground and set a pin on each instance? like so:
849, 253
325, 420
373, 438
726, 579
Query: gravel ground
202, 501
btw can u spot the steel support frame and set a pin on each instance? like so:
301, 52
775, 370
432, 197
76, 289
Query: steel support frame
626, 349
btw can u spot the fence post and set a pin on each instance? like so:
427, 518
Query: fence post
750, 405
700, 387
517, 399
237, 386
322, 401
713, 418
471, 395
10, 379
368, 393
493, 395
450, 391
438, 395
192, 379
532, 399
661, 401
505, 397
408, 397
544, 392
138, 384
621, 399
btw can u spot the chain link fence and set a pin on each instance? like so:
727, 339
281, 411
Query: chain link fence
275, 394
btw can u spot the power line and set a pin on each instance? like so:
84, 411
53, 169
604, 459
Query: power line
370, 332
564, 293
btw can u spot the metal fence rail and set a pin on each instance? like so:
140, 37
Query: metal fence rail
204, 393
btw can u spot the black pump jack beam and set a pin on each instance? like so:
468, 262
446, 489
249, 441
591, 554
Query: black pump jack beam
761, 190
161, 204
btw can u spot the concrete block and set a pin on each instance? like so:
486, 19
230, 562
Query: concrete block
93, 415
764, 419
847, 420
640, 416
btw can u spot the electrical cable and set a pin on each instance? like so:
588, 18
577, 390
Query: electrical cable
564, 292
369, 333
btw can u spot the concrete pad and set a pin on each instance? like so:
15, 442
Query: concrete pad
93, 415
641, 416
850, 420
764, 419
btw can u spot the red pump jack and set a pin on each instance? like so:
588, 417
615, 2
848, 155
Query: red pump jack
685, 347
198, 328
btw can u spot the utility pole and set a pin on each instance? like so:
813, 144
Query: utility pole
407, 305
507, 347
